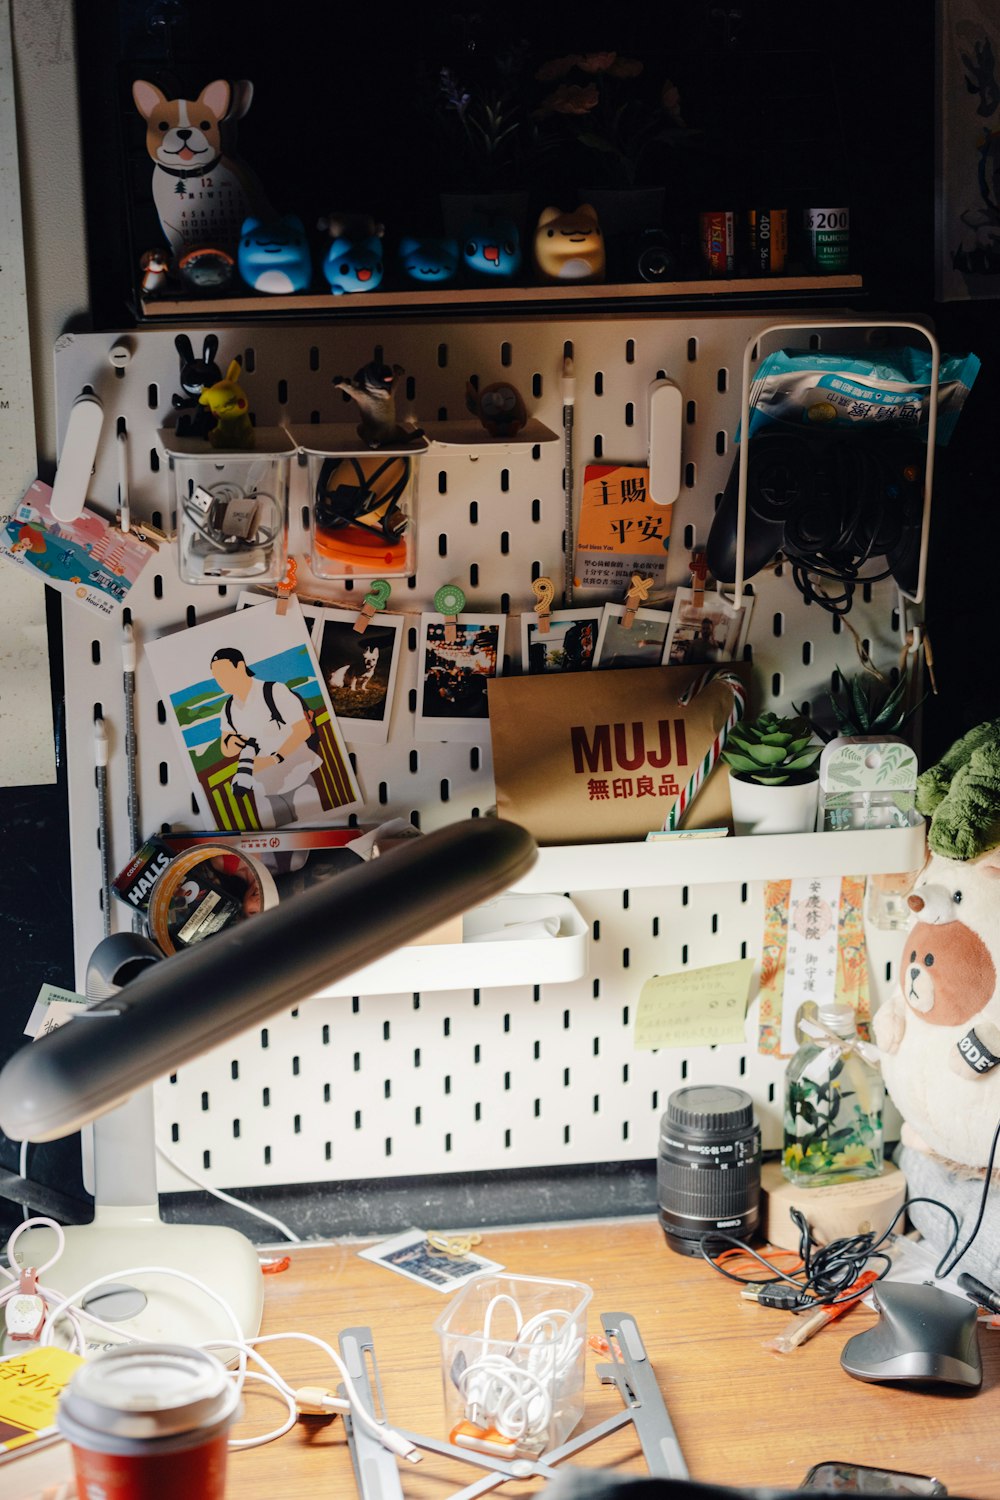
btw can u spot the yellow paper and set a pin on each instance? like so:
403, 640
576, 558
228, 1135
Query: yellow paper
29, 1392
695, 1008
620, 530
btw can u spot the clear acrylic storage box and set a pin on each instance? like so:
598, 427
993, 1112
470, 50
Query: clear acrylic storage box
362, 503
513, 1361
232, 507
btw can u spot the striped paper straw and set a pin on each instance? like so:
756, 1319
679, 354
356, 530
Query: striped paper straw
711, 756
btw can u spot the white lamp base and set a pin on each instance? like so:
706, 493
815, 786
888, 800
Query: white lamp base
175, 1311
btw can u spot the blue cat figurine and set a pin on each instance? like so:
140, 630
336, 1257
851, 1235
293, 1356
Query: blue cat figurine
274, 255
431, 261
353, 265
493, 250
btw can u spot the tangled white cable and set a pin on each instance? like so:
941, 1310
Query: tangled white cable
512, 1385
312, 1399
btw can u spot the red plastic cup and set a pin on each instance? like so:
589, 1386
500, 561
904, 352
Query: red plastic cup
150, 1422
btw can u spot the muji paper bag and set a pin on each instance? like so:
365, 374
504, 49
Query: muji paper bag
593, 757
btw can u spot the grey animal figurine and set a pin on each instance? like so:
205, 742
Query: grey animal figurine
373, 389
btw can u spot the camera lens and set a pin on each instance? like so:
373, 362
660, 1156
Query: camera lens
708, 1169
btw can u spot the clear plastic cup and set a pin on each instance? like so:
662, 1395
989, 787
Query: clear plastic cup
513, 1356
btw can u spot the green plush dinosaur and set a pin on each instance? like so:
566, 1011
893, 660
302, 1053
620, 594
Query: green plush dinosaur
934, 783
962, 793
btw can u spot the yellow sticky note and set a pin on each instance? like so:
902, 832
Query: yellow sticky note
695, 1008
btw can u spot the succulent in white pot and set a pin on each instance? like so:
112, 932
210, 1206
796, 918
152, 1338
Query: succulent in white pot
773, 782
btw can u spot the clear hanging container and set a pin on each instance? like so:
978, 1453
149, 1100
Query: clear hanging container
834, 1096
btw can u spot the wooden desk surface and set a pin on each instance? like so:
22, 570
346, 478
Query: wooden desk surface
743, 1414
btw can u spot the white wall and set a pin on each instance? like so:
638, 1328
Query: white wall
51, 189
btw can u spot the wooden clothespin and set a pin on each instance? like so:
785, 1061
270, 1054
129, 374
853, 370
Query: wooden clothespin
376, 598
638, 593
699, 573
287, 585
544, 592
449, 600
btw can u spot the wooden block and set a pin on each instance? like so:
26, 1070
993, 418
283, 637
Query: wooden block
832, 1212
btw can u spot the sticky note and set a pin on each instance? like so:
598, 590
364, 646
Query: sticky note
695, 1008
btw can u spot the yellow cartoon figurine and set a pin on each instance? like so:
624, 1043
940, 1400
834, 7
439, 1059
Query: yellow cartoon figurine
569, 246
228, 404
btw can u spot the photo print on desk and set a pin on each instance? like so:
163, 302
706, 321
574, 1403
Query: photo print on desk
713, 630
258, 735
453, 675
641, 644
359, 669
568, 645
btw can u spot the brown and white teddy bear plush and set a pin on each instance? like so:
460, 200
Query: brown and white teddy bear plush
939, 1034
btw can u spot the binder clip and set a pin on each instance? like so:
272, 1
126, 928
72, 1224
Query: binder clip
449, 600
376, 598
637, 594
544, 592
699, 575
287, 585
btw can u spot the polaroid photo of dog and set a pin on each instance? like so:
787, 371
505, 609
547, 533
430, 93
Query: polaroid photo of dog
359, 670
452, 676
706, 633
641, 644
569, 644
258, 738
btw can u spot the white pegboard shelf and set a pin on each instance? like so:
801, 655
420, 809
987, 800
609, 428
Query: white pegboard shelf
479, 961
534, 1072
461, 436
451, 299
762, 856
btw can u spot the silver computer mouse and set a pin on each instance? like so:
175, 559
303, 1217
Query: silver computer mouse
922, 1333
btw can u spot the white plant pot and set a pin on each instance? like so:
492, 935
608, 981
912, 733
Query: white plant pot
786, 808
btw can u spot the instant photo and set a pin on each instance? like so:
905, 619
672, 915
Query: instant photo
568, 645
453, 674
639, 644
359, 671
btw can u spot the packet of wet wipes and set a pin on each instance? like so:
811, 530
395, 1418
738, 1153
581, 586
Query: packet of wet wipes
836, 389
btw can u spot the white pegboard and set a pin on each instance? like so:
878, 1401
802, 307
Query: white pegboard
380, 1086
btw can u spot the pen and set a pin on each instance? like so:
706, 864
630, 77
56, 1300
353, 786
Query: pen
101, 772
804, 1325
131, 748
568, 399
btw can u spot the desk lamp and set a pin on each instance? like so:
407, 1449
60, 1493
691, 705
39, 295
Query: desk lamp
107, 1057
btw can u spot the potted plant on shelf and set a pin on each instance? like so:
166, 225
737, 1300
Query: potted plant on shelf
867, 773
867, 705
484, 138
773, 782
610, 108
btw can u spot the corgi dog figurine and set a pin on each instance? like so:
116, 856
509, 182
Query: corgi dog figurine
227, 402
202, 194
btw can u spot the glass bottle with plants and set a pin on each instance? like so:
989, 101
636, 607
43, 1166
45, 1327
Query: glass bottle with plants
834, 1097
773, 781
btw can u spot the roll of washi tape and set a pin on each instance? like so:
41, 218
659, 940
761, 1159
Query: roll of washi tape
204, 890
709, 760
